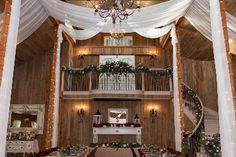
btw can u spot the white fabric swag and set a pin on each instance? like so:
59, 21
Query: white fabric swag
199, 16
145, 22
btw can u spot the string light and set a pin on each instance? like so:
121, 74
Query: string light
50, 111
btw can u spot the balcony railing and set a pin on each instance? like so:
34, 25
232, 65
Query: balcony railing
139, 83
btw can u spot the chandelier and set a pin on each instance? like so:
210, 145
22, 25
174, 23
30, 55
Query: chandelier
116, 9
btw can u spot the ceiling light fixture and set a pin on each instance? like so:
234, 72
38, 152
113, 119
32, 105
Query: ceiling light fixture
116, 9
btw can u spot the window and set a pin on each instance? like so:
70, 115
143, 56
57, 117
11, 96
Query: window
124, 41
117, 82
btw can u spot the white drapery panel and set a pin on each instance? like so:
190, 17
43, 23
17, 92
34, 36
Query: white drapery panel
159, 15
224, 87
7, 73
177, 118
199, 16
80, 34
32, 16
154, 33
79, 16
34, 13
149, 17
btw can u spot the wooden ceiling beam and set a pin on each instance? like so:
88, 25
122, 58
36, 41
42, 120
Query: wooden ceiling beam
68, 38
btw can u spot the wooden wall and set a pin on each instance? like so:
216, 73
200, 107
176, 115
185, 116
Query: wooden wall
74, 130
200, 76
30, 80
98, 40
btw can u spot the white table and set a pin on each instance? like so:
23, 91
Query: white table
16, 146
117, 131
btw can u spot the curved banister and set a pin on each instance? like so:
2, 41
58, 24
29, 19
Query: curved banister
199, 122
202, 114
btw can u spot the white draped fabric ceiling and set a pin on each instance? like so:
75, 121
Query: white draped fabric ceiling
145, 22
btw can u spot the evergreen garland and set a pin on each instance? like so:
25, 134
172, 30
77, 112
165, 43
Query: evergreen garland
197, 109
117, 68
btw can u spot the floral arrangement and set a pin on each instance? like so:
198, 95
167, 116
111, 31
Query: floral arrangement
117, 68
211, 145
116, 145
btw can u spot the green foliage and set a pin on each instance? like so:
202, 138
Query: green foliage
117, 68
188, 137
211, 145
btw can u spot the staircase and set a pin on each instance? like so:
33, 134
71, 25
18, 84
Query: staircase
194, 110
211, 121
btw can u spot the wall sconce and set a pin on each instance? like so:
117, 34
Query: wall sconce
81, 57
81, 112
153, 113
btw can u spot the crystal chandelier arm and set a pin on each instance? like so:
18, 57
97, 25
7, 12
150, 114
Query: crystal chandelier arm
115, 9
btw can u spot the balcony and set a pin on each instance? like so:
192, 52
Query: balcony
102, 86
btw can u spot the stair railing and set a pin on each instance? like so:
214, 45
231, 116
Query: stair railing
191, 140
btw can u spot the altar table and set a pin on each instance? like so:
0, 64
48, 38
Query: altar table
117, 131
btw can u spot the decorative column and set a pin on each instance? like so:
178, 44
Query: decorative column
177, 86
224, 84
51, 134
8, 43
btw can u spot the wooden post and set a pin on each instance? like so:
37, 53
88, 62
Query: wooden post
5, 31
226, 105
90, 81
226, 39
143, 86
177, 86
8, 44
50, 105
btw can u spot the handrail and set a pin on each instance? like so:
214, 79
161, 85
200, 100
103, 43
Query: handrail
200, 120
202, 115
149, 68
167, 84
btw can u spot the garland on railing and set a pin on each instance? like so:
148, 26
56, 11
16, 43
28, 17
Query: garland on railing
117, 68
196, 108
211, 145
192, 137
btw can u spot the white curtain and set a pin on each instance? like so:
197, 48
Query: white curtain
199, 16
32, 16
177, 117
7, 73
224, 87
148, 19
155, 32
145, 22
